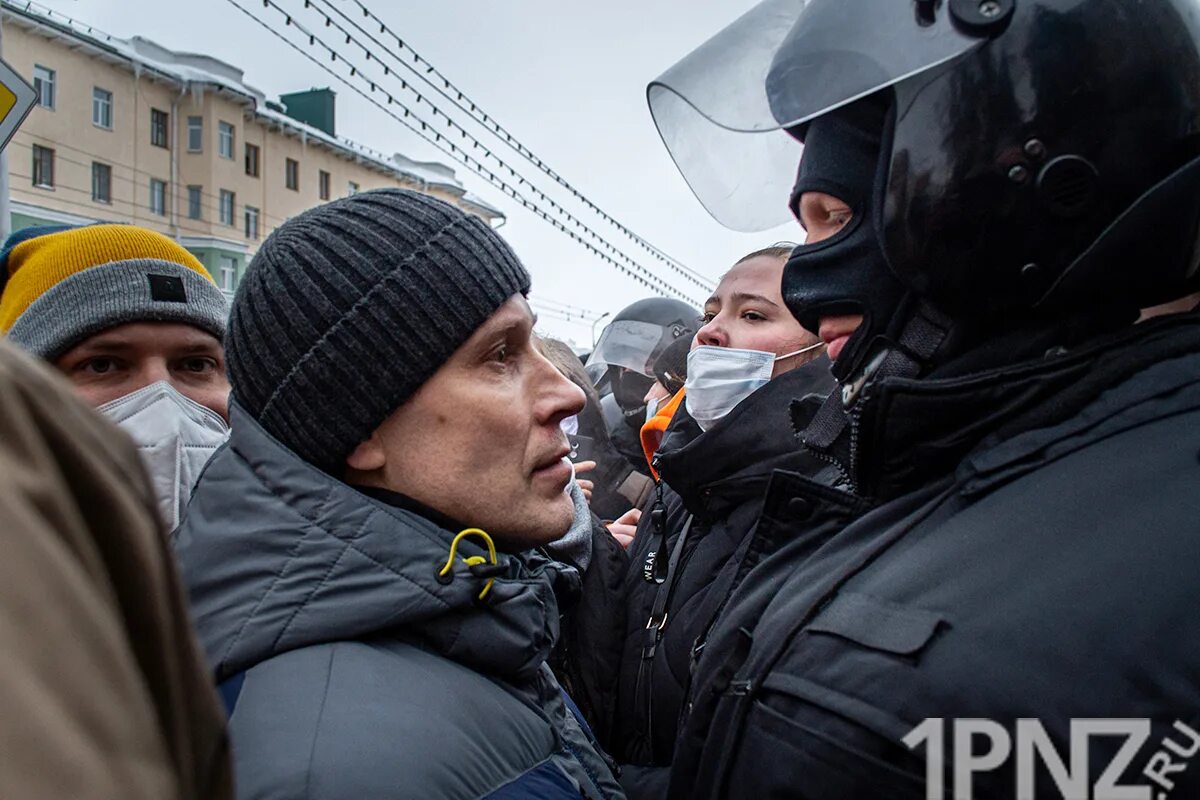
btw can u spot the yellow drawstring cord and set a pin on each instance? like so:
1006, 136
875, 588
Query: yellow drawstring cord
472, 560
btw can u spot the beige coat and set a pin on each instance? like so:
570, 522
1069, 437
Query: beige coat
103, 692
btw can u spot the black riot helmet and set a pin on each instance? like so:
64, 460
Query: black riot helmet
1039, 157
631, 344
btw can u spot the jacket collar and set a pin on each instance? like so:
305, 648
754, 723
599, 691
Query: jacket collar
278, 555
736, 456
910, 431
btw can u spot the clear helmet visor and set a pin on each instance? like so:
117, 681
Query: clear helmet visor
627, 343
722, 110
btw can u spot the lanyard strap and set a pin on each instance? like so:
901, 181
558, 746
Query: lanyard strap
655, 627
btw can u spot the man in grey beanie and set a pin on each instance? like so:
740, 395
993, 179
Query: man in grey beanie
359, 556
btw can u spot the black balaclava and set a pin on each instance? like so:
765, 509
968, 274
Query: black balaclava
629, 390
846, 273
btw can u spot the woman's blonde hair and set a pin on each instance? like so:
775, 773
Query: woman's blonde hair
777, 250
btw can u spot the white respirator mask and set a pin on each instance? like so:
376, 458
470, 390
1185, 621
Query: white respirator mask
175, 437
718, 378
570, 425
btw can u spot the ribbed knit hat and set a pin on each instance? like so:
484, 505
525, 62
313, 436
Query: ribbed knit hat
61, 284
349, 307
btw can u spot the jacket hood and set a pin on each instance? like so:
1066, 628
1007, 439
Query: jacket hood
277, 555
736, 456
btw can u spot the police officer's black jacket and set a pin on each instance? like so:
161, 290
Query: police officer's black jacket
618, 486
1034, 556
714, 482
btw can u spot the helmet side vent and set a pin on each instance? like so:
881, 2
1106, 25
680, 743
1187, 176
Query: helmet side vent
1067, 185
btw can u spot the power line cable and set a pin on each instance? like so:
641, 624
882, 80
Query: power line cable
636, 270
493, 126
79, 27
562, 314
455, 152
566, 306
99, 209
103, 159
690, 275
545, 314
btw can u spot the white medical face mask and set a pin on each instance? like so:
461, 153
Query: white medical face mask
175, 436
570, 425
652, 408
719, 378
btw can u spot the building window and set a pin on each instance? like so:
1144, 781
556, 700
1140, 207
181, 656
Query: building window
101, 182
292, 174
226, 207
251, 222
194, 207
353, 188
228, 273
158, 128
252, 160
43, 167
43, 86
195, 134
323, 182
102, 108
158, 197
225, 140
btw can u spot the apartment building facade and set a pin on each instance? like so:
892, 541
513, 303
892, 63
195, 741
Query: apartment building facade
129, 131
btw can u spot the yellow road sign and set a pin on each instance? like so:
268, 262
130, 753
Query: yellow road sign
16, 99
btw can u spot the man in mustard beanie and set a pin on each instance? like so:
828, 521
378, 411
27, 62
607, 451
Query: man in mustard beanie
136, 324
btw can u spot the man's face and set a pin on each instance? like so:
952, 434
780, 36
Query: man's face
125, 358
480, 441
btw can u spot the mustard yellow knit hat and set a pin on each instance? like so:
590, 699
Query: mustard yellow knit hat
59, 285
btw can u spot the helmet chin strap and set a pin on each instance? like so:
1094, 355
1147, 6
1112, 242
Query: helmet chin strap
908, 355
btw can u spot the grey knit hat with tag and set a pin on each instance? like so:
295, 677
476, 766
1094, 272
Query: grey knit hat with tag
62, 284
349, 307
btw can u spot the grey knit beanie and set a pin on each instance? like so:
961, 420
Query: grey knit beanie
61, 284
349, 307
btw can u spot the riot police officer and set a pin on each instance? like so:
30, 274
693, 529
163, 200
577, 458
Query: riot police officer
997, 188
622, 365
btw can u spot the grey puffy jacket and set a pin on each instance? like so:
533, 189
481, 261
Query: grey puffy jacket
361, 674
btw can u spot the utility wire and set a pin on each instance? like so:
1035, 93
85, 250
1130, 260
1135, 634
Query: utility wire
476, 166
435, 110
638, 272
567, 307
459, 98
99, 210
562, 314
103, 159
546, 314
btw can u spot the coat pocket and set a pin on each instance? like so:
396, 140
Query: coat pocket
877, 624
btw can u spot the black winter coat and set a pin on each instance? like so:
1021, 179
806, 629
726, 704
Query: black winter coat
714, 483
585, 657
618, 485
1038, 560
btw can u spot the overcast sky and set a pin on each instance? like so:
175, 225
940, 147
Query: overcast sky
567, 78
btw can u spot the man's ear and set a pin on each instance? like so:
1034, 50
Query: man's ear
369, 456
